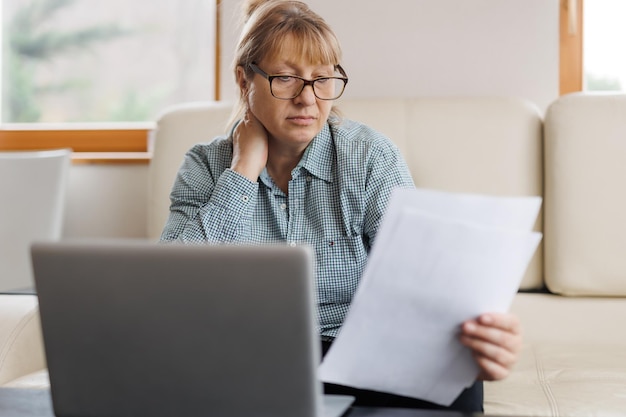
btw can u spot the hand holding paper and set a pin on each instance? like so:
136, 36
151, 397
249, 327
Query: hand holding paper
439, 260
496, 341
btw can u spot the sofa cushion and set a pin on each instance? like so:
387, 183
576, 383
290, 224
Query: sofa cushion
35, 380
585, 170
573, 362
562, 380
21, 345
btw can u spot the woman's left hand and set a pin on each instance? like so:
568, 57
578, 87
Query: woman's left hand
495, 340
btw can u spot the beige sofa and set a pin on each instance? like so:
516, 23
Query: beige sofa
572, 301
21, 348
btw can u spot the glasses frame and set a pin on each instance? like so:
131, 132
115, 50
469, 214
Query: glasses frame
306, 82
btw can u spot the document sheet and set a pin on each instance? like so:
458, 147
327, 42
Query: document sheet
439, 259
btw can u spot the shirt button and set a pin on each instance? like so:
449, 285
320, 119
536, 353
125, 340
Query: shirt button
309, 179
283, 206
292, 244
244, 198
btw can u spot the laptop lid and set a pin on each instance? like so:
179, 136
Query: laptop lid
137, 328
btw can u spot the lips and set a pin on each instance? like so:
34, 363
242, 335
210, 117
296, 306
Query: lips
302, 120
304, 117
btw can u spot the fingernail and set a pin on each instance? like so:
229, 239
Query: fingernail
486, 319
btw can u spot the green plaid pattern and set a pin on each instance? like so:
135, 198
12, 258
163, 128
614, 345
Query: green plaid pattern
337, 197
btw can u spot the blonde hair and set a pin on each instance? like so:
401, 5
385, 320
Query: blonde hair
266, 25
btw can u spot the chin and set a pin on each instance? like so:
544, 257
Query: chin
302, 135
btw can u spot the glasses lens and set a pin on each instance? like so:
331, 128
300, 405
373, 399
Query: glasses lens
329, 88
288, 87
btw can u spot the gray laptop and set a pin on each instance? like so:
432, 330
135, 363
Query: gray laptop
133, 328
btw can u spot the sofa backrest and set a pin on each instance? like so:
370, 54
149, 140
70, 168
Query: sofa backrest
585, 204
487, 145
178, 128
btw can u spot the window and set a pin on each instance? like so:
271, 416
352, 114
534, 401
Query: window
604, 63
591, 58
113, 61
76, 64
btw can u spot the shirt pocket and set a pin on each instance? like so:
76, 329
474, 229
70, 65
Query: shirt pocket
340, 264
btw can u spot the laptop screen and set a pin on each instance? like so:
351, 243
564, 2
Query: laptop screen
137, 328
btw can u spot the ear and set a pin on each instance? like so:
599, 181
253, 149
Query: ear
242, 82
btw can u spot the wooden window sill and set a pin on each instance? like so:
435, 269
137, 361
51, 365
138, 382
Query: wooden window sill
109, 158
91, 144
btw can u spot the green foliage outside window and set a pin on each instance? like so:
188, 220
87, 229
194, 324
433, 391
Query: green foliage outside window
28, 46
596, 83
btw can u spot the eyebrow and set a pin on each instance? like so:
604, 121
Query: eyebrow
297, 69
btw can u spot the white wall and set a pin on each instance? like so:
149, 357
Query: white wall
435, 47
419, 47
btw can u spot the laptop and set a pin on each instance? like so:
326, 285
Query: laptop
134, 328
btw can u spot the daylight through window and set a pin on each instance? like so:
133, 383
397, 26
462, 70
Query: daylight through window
104, 61
604, 33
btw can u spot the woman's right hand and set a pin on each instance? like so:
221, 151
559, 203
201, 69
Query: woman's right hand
250, 148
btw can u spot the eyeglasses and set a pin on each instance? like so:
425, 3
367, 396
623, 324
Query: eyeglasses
287, 87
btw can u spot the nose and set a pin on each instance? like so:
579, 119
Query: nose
306, 96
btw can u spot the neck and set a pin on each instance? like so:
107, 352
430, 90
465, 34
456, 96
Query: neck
280, 171
281, 162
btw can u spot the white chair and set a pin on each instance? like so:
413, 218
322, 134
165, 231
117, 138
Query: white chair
32, 192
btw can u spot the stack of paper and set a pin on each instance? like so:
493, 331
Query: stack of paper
439, 259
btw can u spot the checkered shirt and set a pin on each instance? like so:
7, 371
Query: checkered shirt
336, 200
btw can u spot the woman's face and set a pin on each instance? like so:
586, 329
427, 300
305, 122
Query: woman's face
293, 122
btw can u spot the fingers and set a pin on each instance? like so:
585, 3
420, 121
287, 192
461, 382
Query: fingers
491, 370
250, 128
250, 119
503, 321
495, 341
246, 117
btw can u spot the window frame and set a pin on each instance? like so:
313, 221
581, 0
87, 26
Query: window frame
108, 143
571, 46
112, 143
102, 143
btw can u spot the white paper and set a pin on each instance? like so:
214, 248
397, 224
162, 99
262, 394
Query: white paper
439, 259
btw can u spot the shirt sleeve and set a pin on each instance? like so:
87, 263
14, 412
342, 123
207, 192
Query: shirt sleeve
209, 203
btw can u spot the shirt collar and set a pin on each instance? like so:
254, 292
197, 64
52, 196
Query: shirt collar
318, 156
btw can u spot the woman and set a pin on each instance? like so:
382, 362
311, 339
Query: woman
292, 171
